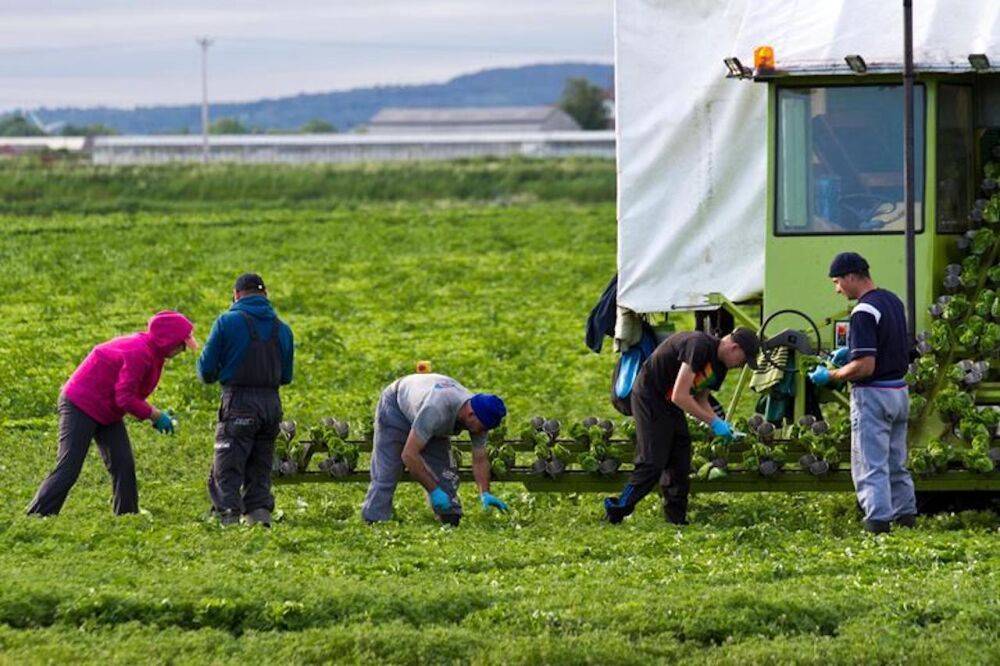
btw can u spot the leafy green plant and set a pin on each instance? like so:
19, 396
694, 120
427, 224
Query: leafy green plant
551, 457
933, 458
710, 459
342, 455
601, 456
501, 454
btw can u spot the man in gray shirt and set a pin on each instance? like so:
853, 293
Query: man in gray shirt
414, 420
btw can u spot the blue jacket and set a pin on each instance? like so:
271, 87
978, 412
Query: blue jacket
230, 337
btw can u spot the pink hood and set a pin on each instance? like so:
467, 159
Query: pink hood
168, 329
117, 376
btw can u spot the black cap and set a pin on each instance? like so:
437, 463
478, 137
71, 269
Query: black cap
847, 262
749, 343
249, 282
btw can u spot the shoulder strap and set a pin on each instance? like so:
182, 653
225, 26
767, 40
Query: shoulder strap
249, 321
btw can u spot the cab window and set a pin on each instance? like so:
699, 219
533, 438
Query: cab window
840, 159
954, 158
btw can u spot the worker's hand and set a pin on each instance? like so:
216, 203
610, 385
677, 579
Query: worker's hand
840, 356
722, 428
820, 376
440, 500
489, 500
165, 423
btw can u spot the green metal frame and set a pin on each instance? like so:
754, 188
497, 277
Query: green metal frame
737, 480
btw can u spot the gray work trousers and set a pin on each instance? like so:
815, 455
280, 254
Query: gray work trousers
878, 452
76, 430
240, 479
391, 431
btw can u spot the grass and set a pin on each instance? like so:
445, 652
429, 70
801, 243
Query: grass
29, 185
495, 295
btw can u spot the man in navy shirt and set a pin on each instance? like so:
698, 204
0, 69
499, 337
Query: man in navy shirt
875, 362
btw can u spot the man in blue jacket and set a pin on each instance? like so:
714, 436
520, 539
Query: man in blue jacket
249, 351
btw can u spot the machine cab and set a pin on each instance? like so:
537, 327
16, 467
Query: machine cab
836, 183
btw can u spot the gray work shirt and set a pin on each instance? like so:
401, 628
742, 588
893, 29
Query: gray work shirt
430, 404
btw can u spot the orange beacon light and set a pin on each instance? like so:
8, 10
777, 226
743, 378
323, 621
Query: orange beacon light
763, 58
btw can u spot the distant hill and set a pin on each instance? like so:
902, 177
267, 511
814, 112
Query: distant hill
516, 86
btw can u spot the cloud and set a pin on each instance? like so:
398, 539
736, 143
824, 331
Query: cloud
127, 53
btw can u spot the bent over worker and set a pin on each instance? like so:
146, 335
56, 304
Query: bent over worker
676, 380
876, 359
115, 379
250, 352
414, 420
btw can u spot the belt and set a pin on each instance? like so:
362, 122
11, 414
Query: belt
884, 384
230, 388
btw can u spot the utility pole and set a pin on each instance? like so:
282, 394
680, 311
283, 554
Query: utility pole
204, 42
909, 191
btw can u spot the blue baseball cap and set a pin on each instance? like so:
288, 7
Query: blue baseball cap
489, 409
847, 262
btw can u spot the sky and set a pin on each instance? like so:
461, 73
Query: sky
124, 54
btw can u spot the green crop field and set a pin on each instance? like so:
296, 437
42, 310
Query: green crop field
488, 270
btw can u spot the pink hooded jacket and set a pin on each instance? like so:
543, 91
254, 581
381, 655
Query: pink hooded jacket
117, 376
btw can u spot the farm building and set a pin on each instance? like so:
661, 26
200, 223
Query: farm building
392, 120
16, 145
300, 148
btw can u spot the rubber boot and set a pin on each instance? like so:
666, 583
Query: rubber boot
617, 508
675, 508
877, 526
452, 519
906, 520
258, 517
228, 517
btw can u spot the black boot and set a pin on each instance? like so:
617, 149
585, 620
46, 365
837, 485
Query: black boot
617, 508
614, 512
877, 526
227, 517
673, 514
906, 520
675, 506
452, 519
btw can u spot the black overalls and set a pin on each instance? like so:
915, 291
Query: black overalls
240, 480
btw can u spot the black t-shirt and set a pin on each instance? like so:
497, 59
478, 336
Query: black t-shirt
699, 350
878, 328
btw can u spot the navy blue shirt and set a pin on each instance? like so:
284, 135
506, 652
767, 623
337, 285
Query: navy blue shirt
878, 328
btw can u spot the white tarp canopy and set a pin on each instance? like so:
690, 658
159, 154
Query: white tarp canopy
691, 143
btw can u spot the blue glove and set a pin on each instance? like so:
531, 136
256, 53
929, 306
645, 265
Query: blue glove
164, 424
440, 500
820, 376
721, 428
840, 357
488, 500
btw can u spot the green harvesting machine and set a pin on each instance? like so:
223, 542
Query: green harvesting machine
835, 182
902, 169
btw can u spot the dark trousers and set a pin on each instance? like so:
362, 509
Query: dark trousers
662, 453
240, 479
76, 430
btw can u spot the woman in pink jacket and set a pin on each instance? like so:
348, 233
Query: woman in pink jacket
115, 379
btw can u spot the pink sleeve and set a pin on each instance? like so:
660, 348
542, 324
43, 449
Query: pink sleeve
128, 394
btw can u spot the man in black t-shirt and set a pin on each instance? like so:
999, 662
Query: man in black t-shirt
676, 380
876, 359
